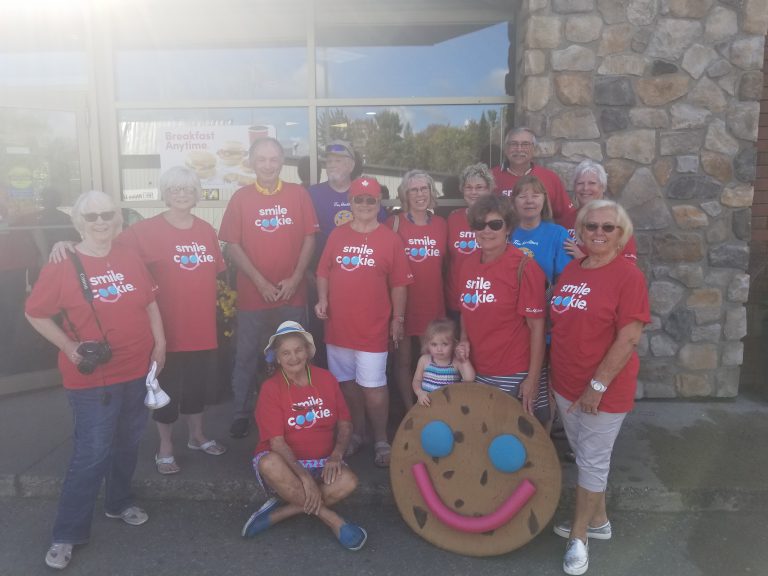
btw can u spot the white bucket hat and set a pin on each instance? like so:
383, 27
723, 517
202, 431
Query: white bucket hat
290, 327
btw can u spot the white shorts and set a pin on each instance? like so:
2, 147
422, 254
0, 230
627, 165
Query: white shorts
369, 369
591, 437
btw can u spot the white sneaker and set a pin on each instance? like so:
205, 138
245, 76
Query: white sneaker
576, 559
59, 555
600, 533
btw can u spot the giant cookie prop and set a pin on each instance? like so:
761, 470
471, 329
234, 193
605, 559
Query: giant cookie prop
474, 474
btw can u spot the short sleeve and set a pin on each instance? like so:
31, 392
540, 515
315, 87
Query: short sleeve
231, 223
562, 258
45, 299
530, 302
633, 299
401, 274
269, 413
308, 213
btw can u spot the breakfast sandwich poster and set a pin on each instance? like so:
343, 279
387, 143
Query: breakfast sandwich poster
217, 154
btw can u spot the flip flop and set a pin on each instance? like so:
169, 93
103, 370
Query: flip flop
382, 454
166, 465
211, 447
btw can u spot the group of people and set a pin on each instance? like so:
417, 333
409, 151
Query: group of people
497, 293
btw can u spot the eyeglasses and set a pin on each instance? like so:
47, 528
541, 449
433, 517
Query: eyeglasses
178, 190
607, 228
93, 216
370, 200
422, 189
494, 225
522, 145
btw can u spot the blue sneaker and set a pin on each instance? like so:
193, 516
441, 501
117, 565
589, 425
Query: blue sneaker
259, 520
352, 537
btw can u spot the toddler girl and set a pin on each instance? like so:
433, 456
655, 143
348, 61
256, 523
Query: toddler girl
441, 363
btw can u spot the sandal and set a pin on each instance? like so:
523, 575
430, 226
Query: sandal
355, 443
383, 452
211, 447
166, 465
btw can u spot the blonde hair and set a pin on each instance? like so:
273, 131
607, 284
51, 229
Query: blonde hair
623, 220
437, 327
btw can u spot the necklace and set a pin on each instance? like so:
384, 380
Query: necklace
288, 380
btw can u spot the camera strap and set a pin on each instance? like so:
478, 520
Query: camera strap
82, 279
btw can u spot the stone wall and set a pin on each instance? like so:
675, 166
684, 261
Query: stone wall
665, 94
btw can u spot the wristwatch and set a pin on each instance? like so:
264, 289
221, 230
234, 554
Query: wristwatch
598, 386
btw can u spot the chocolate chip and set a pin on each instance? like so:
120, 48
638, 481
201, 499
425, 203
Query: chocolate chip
465, 409
525, 427
448, 474
533, 523
484, 478
458, 437
421, 516
459, 503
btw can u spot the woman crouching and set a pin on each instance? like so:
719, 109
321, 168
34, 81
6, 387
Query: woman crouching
297, 461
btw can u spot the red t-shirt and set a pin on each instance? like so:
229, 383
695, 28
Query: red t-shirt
558, 197
587, 310
122, 290
494, 307
271, 231
361, 269
461, 243
630, 249
425, 249
184, 264
305, 416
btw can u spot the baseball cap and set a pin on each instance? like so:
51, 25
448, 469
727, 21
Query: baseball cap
365, 186
341, 148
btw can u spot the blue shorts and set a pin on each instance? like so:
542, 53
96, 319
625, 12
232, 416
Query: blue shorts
314, 466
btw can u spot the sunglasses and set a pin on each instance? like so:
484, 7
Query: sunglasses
338, 149
607, 228
370, 200
494, 225
105, 216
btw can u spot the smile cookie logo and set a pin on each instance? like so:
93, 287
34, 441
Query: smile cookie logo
419, 249
270, 219
110, 286
473, 473
353, 257
570, 296
477, 292
466, 244
190, 256
307, 413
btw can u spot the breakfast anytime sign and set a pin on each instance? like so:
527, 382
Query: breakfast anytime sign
217, 154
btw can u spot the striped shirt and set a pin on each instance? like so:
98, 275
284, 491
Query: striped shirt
435, 377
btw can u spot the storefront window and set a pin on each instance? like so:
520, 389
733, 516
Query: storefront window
440, 139
212, 142
412, 60
216, 74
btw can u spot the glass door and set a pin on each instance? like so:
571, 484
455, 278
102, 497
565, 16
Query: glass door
44, 165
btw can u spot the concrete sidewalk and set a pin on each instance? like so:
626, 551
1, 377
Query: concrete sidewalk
670, 456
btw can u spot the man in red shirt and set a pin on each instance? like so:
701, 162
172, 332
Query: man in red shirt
519, 145
270, 229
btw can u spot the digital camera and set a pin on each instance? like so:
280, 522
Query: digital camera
93, 353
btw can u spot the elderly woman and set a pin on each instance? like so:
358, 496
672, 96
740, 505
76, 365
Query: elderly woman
362, 280
181, 250
111, 333
424, 235
304, 429
535, 232
598, 311
475, 181
502, 309
590, 183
